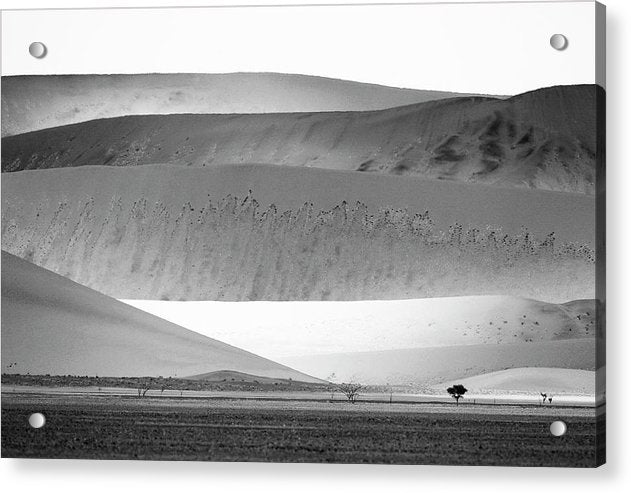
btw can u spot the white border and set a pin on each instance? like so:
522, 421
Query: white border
487, 48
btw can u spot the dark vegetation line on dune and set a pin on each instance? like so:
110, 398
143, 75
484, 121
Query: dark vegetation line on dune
234, 250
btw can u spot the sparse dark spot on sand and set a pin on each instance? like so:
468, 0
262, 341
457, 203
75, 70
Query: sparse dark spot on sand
365, 166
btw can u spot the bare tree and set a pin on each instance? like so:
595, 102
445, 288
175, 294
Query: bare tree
543, 398
142, 392
350, 390
145, 386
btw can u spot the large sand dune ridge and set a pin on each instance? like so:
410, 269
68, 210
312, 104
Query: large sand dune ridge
33, 102
545, 139
166, 232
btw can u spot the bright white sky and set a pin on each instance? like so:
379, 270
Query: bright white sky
482, 48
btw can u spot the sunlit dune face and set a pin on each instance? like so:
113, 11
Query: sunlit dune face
281, 329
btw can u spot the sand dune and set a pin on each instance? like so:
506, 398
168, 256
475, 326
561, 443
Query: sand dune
236, 376
291, 329
570, 216
34, 102
544, 139
430, 366
168, 232
403, 342
51, 325
547, 380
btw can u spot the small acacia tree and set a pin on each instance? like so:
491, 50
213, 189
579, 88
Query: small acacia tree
350, 390
457, 391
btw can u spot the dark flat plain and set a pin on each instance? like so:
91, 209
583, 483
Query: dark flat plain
225, 430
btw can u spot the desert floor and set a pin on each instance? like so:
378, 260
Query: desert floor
280, 427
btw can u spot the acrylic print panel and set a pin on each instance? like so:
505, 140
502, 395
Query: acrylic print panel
305, 234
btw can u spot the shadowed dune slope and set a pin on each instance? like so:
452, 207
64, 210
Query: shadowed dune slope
544, 139
429, 366
174, 233
51, 325
32, 102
